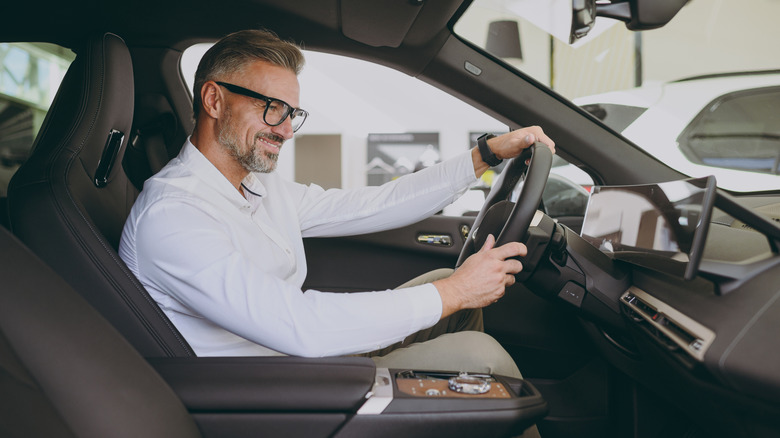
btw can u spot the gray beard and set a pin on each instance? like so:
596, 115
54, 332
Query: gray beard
250, 158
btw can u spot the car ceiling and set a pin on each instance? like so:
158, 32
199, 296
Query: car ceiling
314, 23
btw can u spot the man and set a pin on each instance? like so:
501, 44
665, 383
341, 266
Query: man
216, 236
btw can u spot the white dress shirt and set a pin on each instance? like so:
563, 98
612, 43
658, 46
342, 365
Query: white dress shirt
228, 270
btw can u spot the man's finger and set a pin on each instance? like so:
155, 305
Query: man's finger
513, 266
509, 250
490, 242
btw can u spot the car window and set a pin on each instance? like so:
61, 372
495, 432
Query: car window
739, 130
561, 197
656, 88
369, 124
29, 78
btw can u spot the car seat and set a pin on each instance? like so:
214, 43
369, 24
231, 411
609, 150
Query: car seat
69, 201
64, 371
153, 141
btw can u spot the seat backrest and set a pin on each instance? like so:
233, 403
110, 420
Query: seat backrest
64, 371
69, 201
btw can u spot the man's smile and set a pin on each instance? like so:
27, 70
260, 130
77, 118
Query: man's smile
271, 140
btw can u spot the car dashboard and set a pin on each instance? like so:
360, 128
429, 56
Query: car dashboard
704, 344
726, 320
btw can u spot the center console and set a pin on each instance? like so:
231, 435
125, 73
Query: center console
346, 397
408, 402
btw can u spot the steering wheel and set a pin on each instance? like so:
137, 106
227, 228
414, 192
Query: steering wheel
502, 218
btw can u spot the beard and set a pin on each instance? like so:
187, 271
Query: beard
250, 157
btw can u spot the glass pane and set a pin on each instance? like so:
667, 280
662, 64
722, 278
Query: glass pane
388, 123
29, 78
650, 86
739, 131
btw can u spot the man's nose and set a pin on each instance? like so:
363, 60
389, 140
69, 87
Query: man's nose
284, 129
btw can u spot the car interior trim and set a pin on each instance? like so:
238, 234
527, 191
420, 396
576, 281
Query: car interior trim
381, 394
691, 336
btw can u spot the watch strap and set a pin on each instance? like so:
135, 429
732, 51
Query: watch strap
484, 151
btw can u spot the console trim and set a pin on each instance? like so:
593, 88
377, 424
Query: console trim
381, 394
691, 336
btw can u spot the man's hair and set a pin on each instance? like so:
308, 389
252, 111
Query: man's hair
235, 51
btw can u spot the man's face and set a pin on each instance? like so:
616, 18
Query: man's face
241, 129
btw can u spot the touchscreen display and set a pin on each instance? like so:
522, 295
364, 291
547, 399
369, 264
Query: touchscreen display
662, 225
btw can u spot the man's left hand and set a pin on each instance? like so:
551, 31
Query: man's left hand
510, 145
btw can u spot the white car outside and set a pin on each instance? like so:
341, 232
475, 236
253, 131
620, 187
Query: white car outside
667, 109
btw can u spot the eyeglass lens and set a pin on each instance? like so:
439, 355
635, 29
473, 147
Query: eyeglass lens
276, 111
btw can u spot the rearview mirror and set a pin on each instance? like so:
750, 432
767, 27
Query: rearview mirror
583, 17
571, 20
639, 14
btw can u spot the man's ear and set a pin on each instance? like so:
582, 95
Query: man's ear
211, 99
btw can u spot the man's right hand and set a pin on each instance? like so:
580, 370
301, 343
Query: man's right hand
482, 279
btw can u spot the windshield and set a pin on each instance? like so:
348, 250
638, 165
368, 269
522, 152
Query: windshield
701, 93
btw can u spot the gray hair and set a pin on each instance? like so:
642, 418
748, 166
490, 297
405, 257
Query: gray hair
235, 51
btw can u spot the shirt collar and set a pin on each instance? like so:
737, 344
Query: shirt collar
253, 184
205, 170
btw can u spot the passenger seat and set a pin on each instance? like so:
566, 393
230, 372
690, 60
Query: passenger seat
65, 371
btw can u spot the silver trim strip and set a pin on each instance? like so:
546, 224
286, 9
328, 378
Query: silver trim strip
435, 239
380, 396
702, 336
537, 218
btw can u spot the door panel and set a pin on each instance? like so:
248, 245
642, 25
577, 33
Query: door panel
382, 260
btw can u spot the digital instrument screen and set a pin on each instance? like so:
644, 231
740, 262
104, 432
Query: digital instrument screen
661, 226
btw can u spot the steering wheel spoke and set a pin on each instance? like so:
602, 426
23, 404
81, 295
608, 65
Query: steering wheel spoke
510, 221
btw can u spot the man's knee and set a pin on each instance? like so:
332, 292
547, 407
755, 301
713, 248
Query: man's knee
463, 351
486, 353
428, 277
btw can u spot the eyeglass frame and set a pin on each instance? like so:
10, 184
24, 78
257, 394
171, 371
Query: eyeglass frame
236, 89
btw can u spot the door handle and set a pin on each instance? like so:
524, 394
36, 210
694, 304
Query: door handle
435, 239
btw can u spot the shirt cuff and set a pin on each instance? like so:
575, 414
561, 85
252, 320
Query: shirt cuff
464, 169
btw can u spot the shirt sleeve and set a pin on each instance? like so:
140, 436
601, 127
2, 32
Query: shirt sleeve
200, 268
404, 201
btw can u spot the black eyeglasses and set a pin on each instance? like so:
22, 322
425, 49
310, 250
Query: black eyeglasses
276, 111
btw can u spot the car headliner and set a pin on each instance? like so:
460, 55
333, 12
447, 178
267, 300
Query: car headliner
175, 23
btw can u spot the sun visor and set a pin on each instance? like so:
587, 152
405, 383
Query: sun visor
378, 23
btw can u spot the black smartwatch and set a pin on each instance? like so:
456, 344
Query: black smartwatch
484, 151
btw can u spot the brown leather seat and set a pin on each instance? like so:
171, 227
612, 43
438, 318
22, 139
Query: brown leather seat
65, 371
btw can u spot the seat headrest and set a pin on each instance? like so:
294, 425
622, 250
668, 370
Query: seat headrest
100, 84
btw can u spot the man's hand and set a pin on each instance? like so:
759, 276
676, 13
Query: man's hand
510, 145
482, 279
